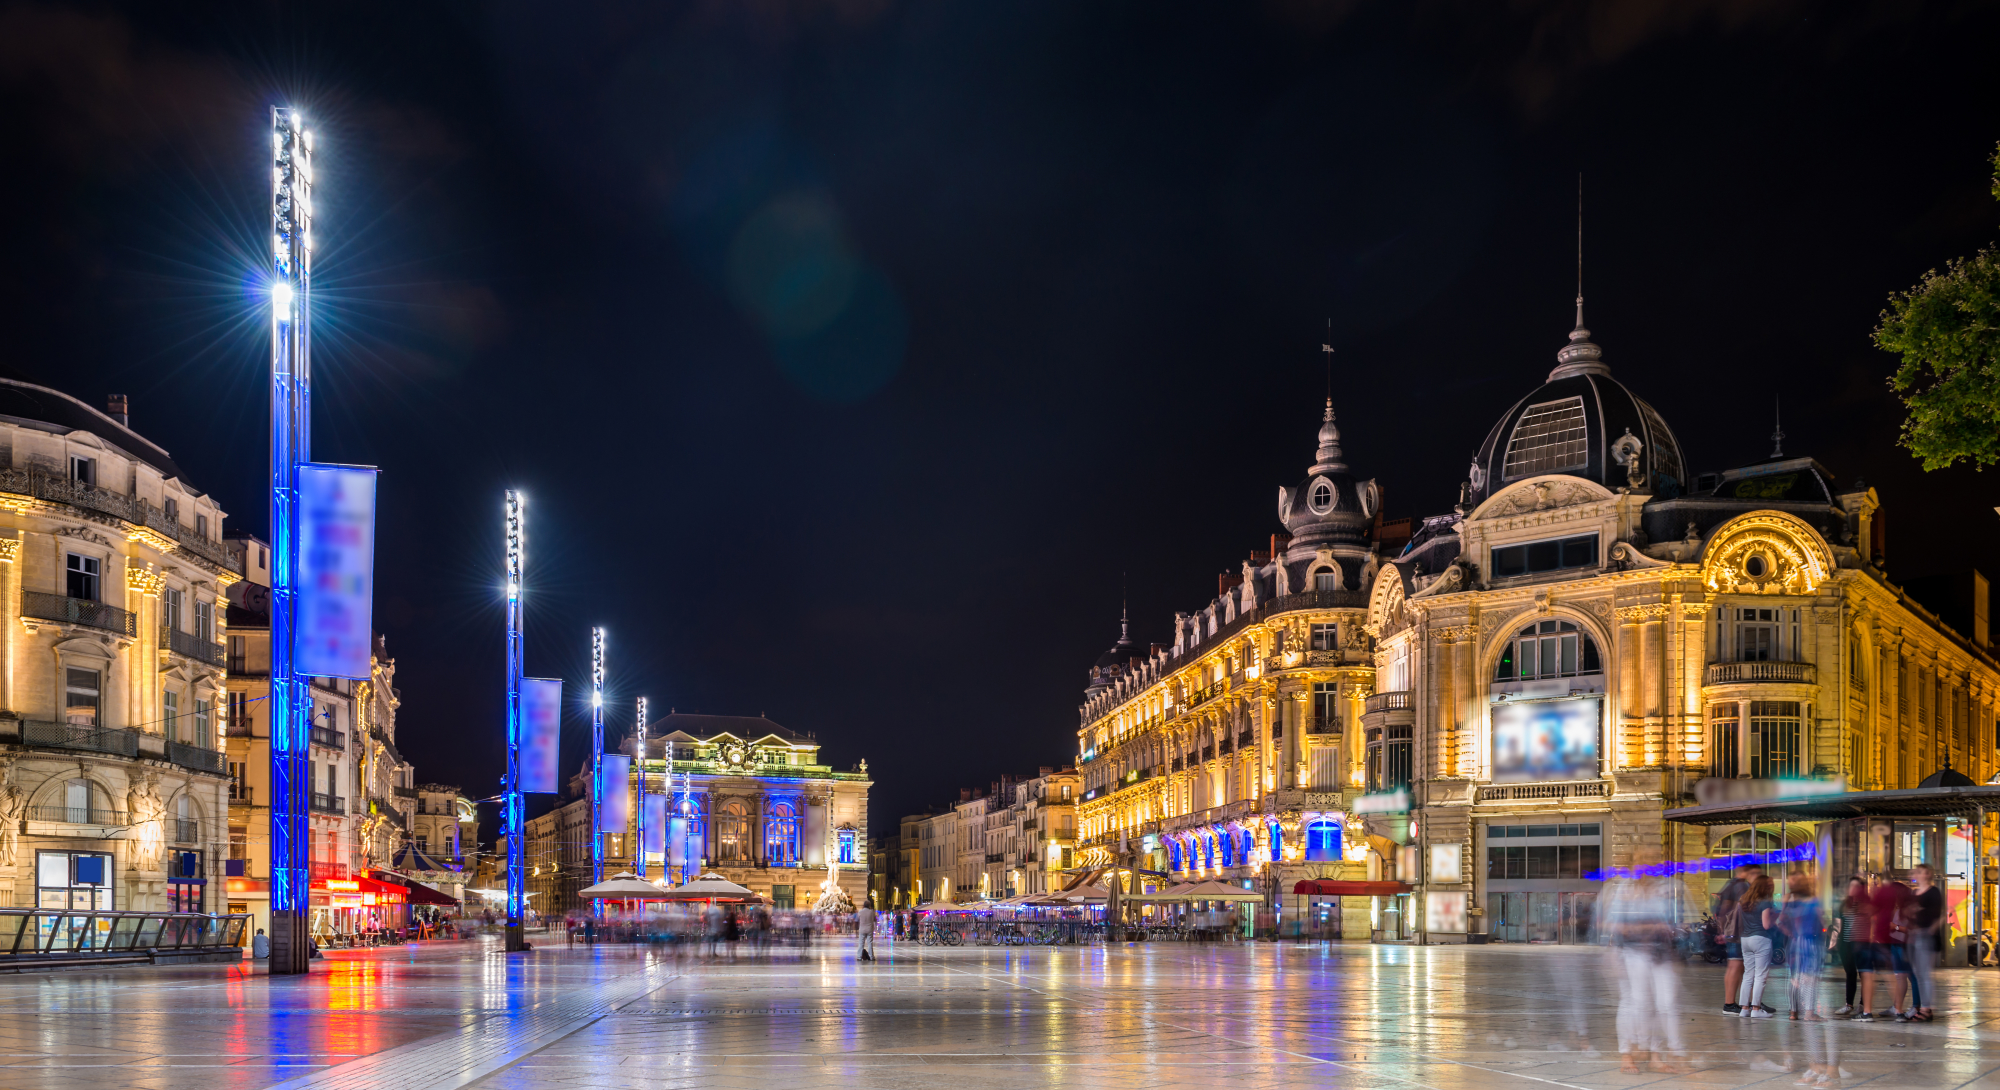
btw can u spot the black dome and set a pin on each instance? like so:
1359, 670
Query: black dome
1575, 425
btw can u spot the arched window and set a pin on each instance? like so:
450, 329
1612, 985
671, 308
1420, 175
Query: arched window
1229, 848
1322, 841
732, 834
1322, 496
1208, 851
781, 836
1326, 579
1548, 649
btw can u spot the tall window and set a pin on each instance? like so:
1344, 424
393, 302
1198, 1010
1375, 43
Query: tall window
172, 507
199, 735
781, 835
732, 834
170, 608
81, 697
201, 526
84, 577
204, 621
1774, 738
1757, 635
1549, 438
1326, 704
170, 703
1326, 637
1723, 740
1322, 841
846, 841
1548, 649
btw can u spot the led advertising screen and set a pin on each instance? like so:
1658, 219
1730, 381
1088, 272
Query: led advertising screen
1537, 740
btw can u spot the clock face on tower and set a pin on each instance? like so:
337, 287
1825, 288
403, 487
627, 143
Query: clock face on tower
734, 755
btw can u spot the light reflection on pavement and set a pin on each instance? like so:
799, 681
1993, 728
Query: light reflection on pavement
1133, 1016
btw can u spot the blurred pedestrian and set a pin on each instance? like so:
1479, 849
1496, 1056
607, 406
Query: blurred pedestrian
260, 946
1926, 917
1758, 921
864, 925
1850, 938
1889, 965
1639, 918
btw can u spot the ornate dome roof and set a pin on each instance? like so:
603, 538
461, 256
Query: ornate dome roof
1330, 509
1581, 423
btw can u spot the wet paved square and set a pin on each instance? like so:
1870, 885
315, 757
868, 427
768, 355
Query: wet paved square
1131, 1016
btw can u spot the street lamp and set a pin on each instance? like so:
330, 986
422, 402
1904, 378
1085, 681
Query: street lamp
513, 807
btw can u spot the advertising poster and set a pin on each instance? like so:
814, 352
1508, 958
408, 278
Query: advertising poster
1444, 912
541, 733
336, 576
677, 845
1540, 740
617, 815
655, 807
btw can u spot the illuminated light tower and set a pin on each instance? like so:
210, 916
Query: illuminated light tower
639, 795
597, 762
291, 445
513, 818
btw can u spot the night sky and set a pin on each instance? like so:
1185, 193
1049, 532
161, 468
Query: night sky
850, 353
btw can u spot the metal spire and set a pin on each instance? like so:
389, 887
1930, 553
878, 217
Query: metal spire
1579, 356
1777, 429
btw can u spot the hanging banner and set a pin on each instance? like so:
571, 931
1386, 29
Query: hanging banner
336, 577
677, 843
617, 815
541, 733
655, 808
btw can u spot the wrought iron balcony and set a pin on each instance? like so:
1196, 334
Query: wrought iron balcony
405, 792
328, 804
1386, 702
1318, 725
183, 831
191, 645
240, 792
1724, 673
77, 815
328, 738
62, 489
35, 732
199, 758
237, 725
63, 609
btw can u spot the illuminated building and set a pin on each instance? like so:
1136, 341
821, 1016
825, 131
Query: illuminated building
1591, 632
112, 571
750, 801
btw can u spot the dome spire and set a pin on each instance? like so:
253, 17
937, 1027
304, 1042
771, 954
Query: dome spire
1579, 356
1329, 433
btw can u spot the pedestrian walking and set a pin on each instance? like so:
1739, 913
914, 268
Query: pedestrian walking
1757, 922
1639, 916
864, 924
1888, 962
1727, 912
1926, 917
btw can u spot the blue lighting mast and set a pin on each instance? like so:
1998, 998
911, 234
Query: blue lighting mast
597, 762
640, 794
291, 445
513, 818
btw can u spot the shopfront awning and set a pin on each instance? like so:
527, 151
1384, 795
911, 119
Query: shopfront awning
1331, 887
1915, 802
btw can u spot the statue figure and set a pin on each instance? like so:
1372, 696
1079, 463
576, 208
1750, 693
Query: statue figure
143, 806
12, 803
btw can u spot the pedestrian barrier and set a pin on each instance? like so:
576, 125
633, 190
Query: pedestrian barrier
31, 937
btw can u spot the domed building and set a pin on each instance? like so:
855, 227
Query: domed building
1448, 738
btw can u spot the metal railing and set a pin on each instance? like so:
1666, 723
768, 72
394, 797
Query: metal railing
1386, 702
328, 804
1318, 725
191, 645
44, 485
35, 732
405, 792
60, 934
1580, 789
241, 792
77, 815
329, 738
1723, 673
184, 830
199, 758
237, 725
322, 869
1315, 599
44, 606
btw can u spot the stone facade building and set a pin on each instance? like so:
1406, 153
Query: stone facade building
1590, 632
112, 575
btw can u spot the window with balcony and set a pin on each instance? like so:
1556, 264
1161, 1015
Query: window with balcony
172, 508
204, 621
1555, 554
85, 577
1548, 649
1325, 707
171, 600
1326, 637
198, 735
1724, 740
1326, 579
1775, 729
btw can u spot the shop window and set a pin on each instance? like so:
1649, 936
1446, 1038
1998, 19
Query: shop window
73, 880
1322, 841
1549, 649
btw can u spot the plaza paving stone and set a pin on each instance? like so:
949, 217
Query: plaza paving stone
1139, 1016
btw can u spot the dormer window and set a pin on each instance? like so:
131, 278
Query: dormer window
172, 507
83, 470
1326, 579
1321, 497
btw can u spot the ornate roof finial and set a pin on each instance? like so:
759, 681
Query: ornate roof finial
1579, 356
1329, 433
1777, 429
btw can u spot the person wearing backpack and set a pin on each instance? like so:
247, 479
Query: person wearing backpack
1728, 915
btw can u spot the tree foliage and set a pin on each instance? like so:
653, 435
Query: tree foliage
1947, 331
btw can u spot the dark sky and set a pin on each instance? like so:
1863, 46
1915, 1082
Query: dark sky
849, 352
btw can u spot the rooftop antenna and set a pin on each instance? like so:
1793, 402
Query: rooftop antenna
1124, 609
1777, 429
1327, 348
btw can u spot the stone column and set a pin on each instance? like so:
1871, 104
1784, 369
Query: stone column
1653, 681
1468, 708
10, 616
1693, 658
1267, 706
1629, 741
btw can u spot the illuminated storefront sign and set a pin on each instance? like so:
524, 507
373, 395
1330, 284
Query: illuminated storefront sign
1542, 740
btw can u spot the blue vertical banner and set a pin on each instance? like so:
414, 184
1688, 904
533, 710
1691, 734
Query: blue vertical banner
336, 583
677, 846
655, 839
617, 806
541, 734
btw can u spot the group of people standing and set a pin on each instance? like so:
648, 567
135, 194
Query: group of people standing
1885, 934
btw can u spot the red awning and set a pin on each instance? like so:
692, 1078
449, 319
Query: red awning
421, 894
1329, 887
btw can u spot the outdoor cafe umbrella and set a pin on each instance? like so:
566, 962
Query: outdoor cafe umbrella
710, 887
1213, 890
624, 886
